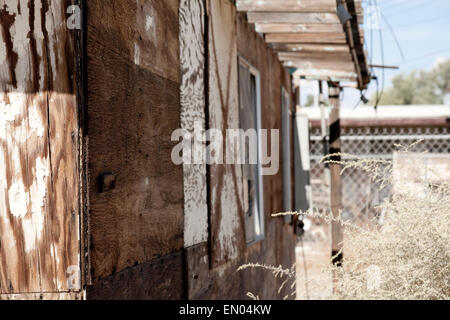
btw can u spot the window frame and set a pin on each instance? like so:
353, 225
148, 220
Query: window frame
286, 125
260, 183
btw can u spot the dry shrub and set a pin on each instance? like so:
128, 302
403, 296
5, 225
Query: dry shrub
406, 254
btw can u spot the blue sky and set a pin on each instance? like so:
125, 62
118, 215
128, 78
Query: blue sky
422, 28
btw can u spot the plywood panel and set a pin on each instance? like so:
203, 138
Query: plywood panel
39, 186
142, 31
136, 191
192, 96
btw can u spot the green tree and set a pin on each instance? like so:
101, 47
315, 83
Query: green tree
418, 87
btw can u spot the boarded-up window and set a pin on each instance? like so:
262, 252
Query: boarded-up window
250, 123
286, 136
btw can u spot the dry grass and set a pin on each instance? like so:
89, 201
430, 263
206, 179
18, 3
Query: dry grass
407, 256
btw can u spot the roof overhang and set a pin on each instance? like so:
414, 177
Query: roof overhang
309, 36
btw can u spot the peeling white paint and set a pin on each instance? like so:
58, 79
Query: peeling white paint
35, 121
137, 54
74, 276
33, 226
38, 191
192, 59
18, 200
229, 223
149, 23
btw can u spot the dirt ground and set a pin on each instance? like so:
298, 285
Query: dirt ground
312, 256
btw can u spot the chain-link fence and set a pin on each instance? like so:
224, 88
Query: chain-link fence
359, 193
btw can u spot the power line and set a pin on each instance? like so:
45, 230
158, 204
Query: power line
380, 33
422, 21
426, 55
394, 35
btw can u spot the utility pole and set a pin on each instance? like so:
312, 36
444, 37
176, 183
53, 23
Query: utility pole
323, 121
335, 173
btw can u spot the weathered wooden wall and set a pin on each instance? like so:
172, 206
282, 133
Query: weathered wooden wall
128, 231
39, 173
136, 192
211, 266
226, 213
152, 233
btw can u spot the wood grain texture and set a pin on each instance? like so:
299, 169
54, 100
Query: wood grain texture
142, 31
132, 112
192, 98
39, 184
62, 296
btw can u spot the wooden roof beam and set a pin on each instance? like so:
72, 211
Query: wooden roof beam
297, 27
330, 56
323, 74
325, 48
315, 6
306, 6
306, 38
310, 64
292, 17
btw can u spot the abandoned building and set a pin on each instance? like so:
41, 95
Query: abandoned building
92, 205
